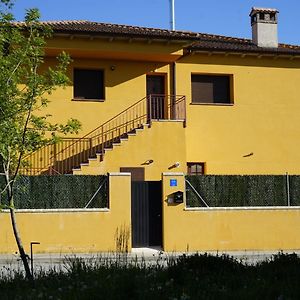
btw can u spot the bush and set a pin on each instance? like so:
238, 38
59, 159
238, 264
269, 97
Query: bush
188, 277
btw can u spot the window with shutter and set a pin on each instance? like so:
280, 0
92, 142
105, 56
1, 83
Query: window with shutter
211, 88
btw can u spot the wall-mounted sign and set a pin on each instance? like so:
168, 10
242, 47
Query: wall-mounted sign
173, 182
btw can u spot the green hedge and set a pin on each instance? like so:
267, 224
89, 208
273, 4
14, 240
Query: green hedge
248, 190
61, 191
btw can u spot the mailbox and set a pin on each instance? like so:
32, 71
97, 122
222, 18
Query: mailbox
178, 197
175, 198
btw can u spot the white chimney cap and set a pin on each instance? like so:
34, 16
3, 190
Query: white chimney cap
255, 10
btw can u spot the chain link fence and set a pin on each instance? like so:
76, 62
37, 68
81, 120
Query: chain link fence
61, 191
248, 190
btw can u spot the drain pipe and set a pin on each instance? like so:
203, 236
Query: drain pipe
172, 27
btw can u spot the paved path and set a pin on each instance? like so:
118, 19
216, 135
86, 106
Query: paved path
62, 261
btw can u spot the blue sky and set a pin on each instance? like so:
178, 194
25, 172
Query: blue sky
225, 17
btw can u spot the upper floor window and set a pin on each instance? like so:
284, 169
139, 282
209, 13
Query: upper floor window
88, 84
195, 168
211, 89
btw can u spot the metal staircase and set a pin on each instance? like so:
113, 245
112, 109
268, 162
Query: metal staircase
69, 153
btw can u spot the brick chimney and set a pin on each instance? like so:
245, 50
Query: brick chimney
264, 27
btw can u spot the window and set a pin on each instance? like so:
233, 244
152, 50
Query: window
211, 88
88, 84
194, 168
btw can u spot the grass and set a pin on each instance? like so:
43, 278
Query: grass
187, 277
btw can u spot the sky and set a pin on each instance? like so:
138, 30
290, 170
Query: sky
224, 17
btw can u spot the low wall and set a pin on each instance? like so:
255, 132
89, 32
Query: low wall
227, 229
81, 230
97, 230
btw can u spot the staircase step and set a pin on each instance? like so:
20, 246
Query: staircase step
94, 162
77, 171
124, 135
100, 156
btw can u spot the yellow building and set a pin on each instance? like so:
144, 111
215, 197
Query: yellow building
218, 105
155, 102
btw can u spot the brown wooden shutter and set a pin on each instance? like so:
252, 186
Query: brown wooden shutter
202, 89
210, 89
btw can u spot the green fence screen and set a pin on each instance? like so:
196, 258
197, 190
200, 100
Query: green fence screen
60, 191
248, 190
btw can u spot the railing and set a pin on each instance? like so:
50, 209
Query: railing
161, 107
62, 157
41, 161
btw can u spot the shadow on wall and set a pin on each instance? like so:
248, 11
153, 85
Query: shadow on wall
115, 71
241, 61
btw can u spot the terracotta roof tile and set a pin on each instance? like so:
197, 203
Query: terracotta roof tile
88, 27
263, 10
240, 45
199, 41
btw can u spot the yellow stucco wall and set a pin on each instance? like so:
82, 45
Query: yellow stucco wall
183, 229
262, 120
124, 86
226, 229
73, 231
164, 143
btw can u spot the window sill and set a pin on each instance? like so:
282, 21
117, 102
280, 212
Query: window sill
87, 100
213, 104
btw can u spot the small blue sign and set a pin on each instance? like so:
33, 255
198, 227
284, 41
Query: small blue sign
173, 182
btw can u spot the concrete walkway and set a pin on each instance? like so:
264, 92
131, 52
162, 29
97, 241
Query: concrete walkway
139, 256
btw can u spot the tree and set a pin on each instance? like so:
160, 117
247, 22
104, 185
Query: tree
23, 94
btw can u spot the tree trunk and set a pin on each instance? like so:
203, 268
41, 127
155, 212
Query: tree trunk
19, 242
10, 200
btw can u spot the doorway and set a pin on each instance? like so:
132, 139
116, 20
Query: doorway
156, 92
146, 213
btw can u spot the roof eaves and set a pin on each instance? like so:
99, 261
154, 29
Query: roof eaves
106, 29
254, 50
127, 35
